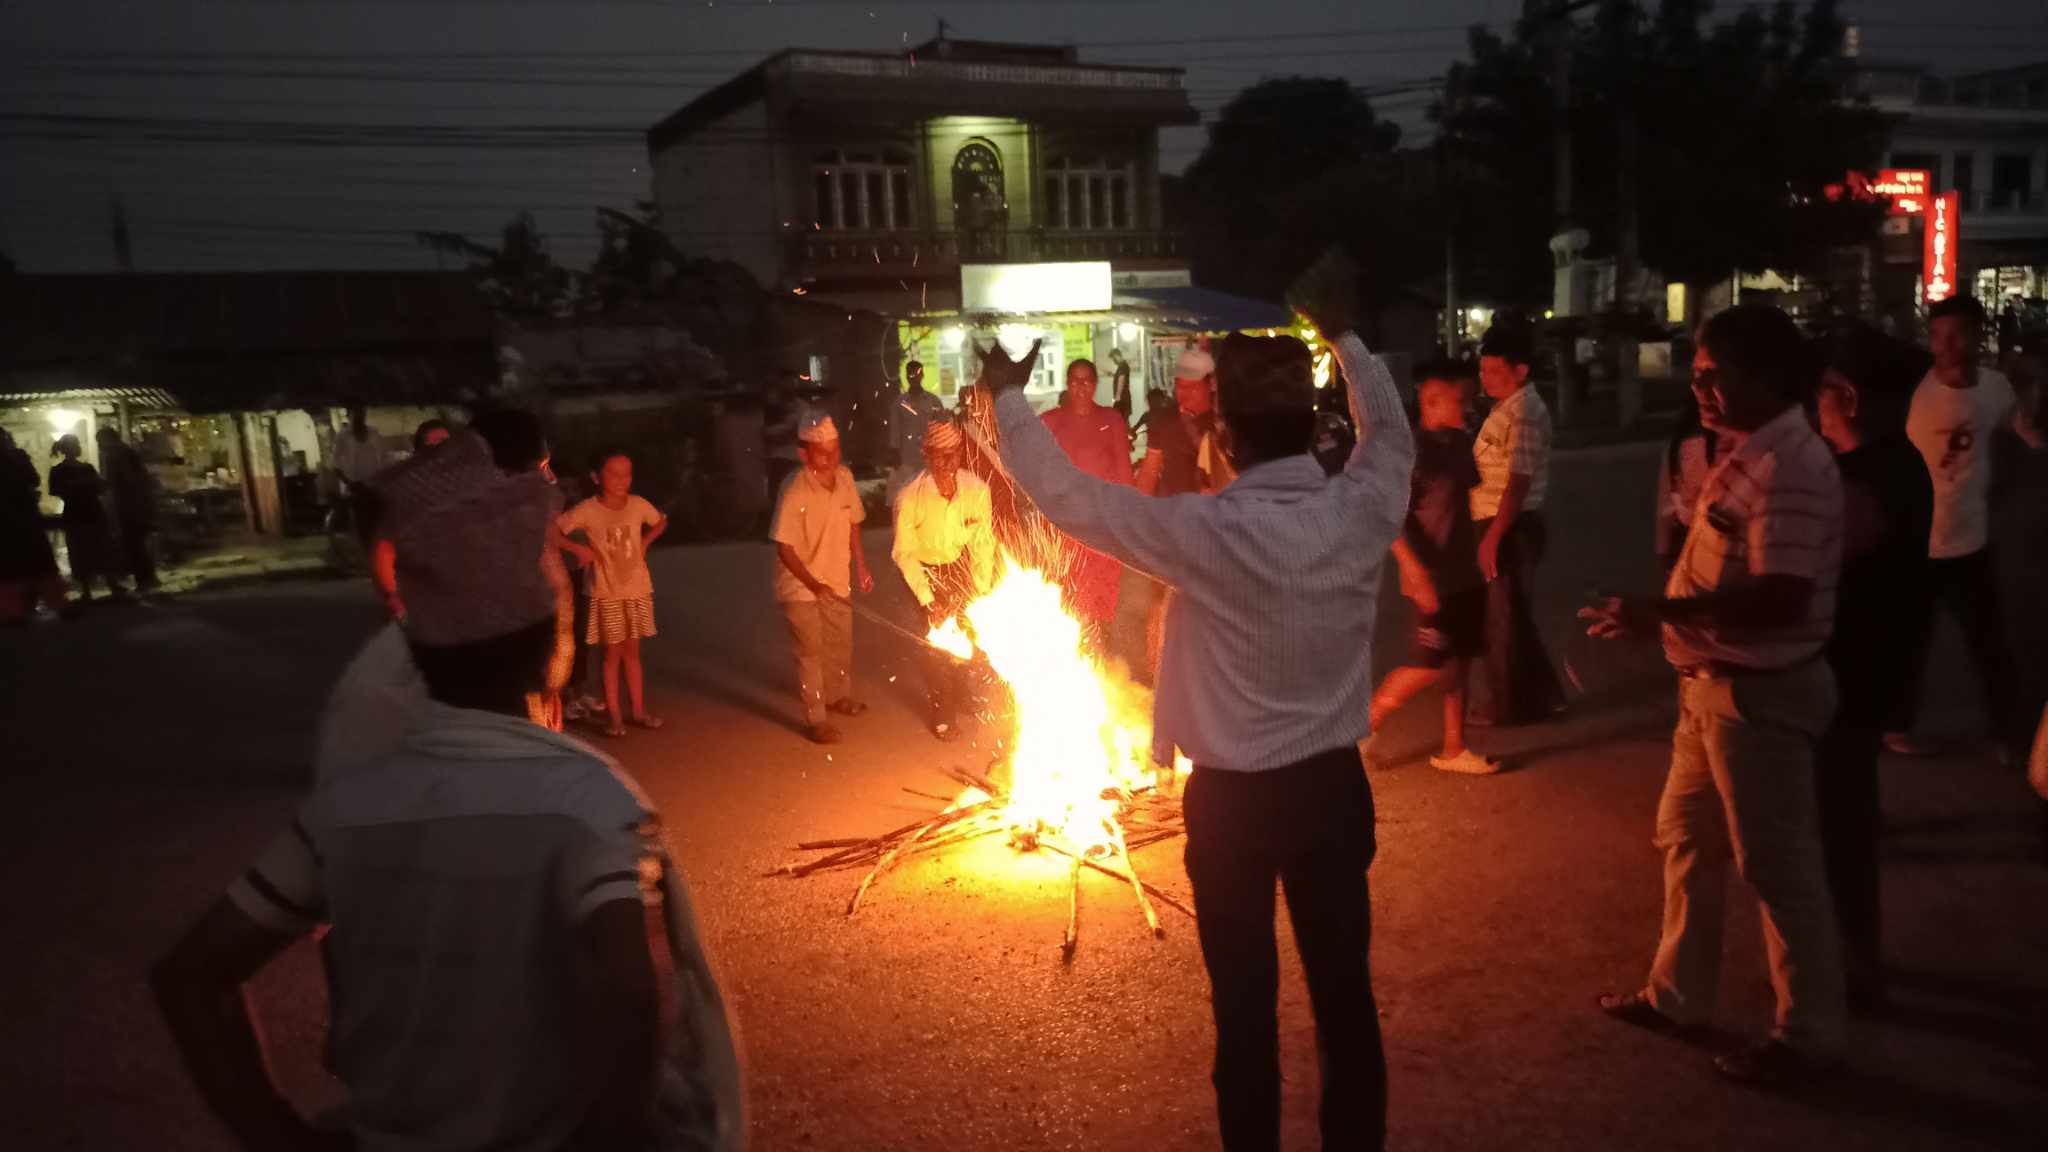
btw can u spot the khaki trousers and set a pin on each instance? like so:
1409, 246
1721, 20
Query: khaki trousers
1741, 789
823, 634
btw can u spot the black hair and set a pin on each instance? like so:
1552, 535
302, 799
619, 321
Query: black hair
604, 453
1966, 307
1510, 340
419, 434
1445, 368
1078, 361
514, 434
1757, 343
493, 675
1257, 437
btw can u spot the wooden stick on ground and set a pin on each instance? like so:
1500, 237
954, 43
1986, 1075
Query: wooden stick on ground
1137, 885
1153, 889
939, 821
1073, 912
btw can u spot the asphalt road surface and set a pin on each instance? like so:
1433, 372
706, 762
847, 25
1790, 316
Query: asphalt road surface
150, 752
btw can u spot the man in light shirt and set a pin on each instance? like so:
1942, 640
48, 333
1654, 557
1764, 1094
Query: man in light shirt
1513, 454
1955, 412
819, 563
487, 882
1264, 685
946, 550
1745, 617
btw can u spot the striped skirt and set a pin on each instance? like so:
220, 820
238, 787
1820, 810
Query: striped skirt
617, 621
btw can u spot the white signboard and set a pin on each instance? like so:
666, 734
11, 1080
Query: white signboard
1020, 288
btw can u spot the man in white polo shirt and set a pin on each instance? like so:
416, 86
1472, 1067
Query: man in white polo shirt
1744, 618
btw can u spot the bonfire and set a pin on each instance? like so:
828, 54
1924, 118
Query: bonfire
1074, 774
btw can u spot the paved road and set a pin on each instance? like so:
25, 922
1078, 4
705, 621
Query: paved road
151, 751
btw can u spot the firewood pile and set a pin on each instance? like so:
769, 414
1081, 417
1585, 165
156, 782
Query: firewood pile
1144, 817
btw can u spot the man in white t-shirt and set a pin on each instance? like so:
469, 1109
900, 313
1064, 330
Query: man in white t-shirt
1955, 410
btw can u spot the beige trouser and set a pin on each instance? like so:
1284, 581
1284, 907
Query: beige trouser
823, 632
1741, 788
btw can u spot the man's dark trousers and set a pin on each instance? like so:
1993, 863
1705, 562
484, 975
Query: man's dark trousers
1309, 825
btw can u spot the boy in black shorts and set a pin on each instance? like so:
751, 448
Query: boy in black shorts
1438, 553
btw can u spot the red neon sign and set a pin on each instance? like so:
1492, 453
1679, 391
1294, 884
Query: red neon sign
1938, 253
1906, 188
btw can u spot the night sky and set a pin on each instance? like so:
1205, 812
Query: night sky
305, 134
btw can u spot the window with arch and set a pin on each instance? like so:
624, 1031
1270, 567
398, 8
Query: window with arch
1088, 193
862, 191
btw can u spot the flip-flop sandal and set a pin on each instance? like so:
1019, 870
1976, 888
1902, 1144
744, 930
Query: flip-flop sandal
648, 722
847, 707
615, 731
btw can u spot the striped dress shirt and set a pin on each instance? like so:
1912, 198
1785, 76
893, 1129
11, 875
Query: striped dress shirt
1514, 440
1771, 507
1268, 656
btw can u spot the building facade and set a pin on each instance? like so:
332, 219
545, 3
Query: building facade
1983, 136
872, 177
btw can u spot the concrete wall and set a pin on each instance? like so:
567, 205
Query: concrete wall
722, 195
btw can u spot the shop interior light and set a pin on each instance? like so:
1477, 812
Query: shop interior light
1479, 315
63, 420
1016, 338
1127, 331
952, 338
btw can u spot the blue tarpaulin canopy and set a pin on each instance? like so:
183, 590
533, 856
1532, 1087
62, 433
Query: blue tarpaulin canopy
1191, 309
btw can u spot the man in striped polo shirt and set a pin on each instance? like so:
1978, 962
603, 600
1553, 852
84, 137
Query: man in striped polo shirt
1744, 618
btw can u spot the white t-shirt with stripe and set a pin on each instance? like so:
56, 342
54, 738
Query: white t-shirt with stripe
1514, 440
1771, 507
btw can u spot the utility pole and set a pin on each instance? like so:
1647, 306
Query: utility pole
1628, 385
1446, 168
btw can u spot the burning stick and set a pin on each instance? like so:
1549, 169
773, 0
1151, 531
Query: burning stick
1073, 911
1137, 886
1153, 889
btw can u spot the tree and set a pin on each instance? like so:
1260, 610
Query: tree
1739, 126
518, 277
1292, 167
634, 265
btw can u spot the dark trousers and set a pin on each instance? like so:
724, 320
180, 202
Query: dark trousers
1521, 687
1309, 825
1845, 776
1967, 587
135, 554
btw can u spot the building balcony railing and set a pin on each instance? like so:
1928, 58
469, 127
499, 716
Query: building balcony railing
897, 252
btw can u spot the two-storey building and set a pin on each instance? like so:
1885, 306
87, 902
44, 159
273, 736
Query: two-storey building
871, 180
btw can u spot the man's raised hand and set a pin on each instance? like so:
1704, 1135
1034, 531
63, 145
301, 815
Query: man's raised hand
1000, 374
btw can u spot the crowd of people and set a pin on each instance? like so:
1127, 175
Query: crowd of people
106, 519
501, 900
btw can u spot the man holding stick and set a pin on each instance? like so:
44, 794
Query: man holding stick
1264, 683
817, 544
946, 550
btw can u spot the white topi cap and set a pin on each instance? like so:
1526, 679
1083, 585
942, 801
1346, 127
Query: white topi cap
817, 428
1194, 364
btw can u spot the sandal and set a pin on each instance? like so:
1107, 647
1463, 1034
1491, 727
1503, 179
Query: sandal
847, 707
615, 731
648, 722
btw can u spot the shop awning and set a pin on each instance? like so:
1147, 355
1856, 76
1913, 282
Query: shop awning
1193, 309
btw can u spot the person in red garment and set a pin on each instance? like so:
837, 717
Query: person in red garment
1098, 441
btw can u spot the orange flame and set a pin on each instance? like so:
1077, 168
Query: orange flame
1083, 734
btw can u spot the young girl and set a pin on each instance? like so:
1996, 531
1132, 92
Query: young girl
617, 529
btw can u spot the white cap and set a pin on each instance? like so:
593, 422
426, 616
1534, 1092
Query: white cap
817, 428
1194, 364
